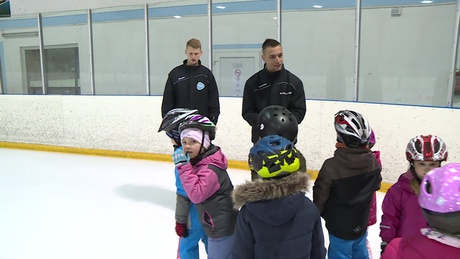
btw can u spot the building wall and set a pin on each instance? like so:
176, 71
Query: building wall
130, 124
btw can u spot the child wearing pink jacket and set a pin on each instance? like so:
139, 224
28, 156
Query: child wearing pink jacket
402, 216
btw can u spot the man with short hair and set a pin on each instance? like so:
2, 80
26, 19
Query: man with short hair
192, 85
273, 85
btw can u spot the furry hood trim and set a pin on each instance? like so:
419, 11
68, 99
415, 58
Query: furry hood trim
270, 189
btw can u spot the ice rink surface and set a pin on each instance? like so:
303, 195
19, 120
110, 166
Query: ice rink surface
58, 205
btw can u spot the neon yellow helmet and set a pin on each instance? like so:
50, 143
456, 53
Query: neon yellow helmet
274, 157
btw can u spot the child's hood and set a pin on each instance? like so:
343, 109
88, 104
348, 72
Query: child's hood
214, 156
355, 158
404, 181
273, 201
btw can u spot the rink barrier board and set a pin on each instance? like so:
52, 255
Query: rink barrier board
243, 165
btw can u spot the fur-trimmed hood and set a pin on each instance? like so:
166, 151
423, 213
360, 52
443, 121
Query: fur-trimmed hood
261, 190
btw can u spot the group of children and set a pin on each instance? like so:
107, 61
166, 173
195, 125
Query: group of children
270, 216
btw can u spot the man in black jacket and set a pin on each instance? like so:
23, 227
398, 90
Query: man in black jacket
273, 85
192, 85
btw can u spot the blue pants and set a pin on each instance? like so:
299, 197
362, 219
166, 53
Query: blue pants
347, 249
220, 248
188, 246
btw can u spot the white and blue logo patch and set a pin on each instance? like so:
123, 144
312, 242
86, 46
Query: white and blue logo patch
199, 86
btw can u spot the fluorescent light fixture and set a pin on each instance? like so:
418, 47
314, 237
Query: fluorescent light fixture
177, 16
426, 2
317, 6
24, 34
220, 7
275, 18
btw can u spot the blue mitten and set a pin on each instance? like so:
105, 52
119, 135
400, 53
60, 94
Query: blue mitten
180, 158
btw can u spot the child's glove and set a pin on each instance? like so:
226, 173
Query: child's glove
180, 158
181, 229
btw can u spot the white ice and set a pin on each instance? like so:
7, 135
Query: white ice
58, 205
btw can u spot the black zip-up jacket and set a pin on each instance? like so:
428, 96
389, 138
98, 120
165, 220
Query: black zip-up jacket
278, 88
343, 191
192, 87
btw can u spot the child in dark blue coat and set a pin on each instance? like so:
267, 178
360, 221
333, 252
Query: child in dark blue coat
276, 219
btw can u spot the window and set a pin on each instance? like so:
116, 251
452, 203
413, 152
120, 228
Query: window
62, 71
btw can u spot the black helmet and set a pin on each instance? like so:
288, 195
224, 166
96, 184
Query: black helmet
199, 122
277, 120
174, 117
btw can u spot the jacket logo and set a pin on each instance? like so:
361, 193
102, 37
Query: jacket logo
285, 93
199, 86
262, 85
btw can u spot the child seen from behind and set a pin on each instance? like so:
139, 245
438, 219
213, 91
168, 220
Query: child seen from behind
276, 219
345, 185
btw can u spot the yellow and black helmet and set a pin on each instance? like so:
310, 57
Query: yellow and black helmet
273, 157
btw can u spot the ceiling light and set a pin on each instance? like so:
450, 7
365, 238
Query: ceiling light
177, 16
317, 6
426, 2
220, 7
20, 34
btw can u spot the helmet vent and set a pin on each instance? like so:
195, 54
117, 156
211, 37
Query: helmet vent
437, 146
356, 124
418, 146
275, 143
428, 188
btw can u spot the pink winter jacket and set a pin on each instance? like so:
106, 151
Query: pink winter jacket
420, 247
373, 208
402, 215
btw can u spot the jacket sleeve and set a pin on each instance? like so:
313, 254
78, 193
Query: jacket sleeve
182, 208
391, 251
377, 156
199, 184
321, 189
298, 105
168, 97
391, 214
243, 245
317, 247
249, 110
213, 104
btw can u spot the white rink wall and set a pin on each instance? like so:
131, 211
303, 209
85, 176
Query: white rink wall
130, 123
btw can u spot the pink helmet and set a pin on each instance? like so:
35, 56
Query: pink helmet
426, 148
440, 198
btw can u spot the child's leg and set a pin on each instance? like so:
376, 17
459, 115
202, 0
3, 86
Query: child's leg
360, 248
204, 239
220, 248
369, 249
340, 248
189, 248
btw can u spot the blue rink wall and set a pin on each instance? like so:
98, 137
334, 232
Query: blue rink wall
127, 126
